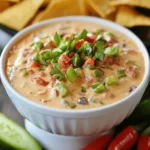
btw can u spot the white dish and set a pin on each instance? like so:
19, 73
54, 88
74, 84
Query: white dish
76, 122
51, 141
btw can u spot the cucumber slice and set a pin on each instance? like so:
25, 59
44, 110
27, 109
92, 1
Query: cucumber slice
15, 137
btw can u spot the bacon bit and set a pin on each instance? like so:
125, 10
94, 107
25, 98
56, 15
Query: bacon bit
110, 61
52, 79
131, 72
40, 81
30, 71
42, 74
57, 92
71, 54
35, 65
132, 51
89, 61
90, 39
42, 91
44, 100
79, 43
68, 36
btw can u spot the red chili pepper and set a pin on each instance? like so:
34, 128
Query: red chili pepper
144, 140
127, 137
100, 143
35, 65
89, 61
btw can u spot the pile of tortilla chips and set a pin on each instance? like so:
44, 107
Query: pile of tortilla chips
18, 14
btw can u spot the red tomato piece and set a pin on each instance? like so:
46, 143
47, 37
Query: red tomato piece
40, 81
110, 61
71, 54
79, 43
52, 44
131, 72
68, 36
35, 65
90, 39
144, 143
89, 61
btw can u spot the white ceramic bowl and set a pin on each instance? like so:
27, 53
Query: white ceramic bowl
76, 122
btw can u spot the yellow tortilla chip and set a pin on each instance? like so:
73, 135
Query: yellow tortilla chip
57, 8
111, 17
15, 1
18, 16
46, 2
128, 17
101, 7
4, 5
140, 3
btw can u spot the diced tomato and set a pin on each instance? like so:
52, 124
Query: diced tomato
42, 74
65, 58
71, 54
110, 61
52, 79
131, 72
79, 43
64, 61
89, 61
40, 81
35, 65
90, 39
52, 44
68, 36
111, 42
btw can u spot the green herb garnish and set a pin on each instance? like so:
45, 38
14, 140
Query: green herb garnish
57, 39
82, 34
110, 80
98, 87
37, 45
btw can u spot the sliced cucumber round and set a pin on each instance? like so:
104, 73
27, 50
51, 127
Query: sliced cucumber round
15, 137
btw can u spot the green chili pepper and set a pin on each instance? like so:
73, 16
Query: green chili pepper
82, 34
63, 89
90, 67
98, 87
57, 73
120, 73
57, 39
98, 73
112, 51
70, 104
110, 80
77, 61
71, 74
83, 89
37, 45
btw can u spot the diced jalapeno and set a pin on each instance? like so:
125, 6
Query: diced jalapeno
91, 67
110, 80
71, 74
98, 73
98, 87
25, 73
57, 73
120, 73
76, 60
112, 51
68, 103
82, 34
57, 39
37, 45
63, 89
83, 89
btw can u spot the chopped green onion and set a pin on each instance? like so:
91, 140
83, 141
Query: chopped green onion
57, 39
112, 51
77, 61
101, 103
63, 45
37, 45
57, 73
98, 73
109, 34
110, 80
56, 53
71, 74
82, 34
98, 87
78, 71
120, 73
46, 54
83, 89
63, 89
36, 57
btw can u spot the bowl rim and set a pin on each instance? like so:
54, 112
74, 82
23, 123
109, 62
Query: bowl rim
96, 20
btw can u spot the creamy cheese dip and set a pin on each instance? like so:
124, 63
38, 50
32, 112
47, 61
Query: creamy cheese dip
75, 65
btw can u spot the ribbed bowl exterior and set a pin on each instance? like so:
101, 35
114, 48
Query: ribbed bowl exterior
75, 122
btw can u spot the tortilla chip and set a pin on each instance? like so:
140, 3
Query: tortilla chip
139, 3
46, 2
18, 16
128, 17
57, 8
101, 7
111, 17
15, 1
4, 5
